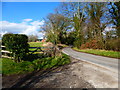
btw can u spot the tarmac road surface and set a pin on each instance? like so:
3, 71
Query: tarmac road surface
105, 62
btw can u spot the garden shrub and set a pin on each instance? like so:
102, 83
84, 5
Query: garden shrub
17, 44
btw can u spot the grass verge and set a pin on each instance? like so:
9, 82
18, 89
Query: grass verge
10, 67
113, 54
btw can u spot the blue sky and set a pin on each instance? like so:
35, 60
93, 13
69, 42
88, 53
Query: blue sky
25, 17
16, 11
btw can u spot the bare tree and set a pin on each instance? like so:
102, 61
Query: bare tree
32, 38
115, 14
75, 12
98, 18
55, 28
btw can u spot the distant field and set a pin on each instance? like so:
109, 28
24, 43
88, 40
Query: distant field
35, 44
107, 53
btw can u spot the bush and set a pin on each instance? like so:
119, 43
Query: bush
90, 44
110, 44
17, 44
83, 46
113, 44
93, 44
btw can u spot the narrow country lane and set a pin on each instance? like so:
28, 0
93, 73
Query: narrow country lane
108, 63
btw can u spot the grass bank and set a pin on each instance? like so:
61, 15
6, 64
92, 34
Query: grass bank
10, 67
113, 54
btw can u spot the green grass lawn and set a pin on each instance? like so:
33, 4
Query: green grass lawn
107, 53
10, 67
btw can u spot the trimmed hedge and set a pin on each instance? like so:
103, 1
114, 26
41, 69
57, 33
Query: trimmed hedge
17, 44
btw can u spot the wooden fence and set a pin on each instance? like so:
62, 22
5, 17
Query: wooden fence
5, 53
37, 49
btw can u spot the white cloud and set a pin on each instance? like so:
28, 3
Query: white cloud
37, 23
25, 27
27, 20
